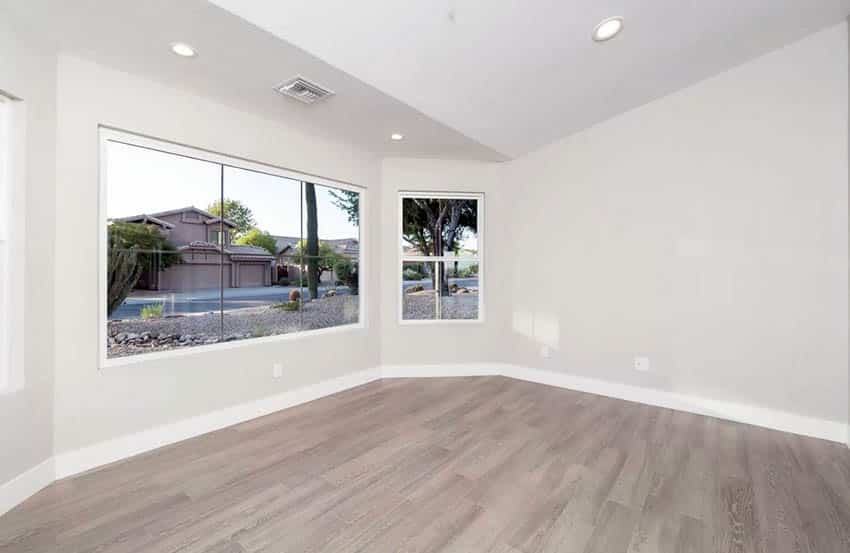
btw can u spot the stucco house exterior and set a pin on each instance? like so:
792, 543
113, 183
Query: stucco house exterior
288, 245
209, 256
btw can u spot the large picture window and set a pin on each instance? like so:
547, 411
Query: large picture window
441, 257
203, 249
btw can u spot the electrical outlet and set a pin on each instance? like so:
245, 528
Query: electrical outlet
277, 370
545, 352
642, 364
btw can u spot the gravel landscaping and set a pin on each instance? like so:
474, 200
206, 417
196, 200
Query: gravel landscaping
420, 306
131, 337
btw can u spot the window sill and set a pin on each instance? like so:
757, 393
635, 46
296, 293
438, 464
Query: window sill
440, 322
106, 363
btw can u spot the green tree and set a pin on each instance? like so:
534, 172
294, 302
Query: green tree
349, 202
326, 259
311, 248
436, 225
237, 213
347, 273
259, 238
133, 248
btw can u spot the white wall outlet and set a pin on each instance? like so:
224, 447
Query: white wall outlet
545, 352
642, 364
277, 370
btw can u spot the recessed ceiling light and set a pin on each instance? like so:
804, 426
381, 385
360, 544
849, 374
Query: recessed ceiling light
183, 49
397, 136
608, 29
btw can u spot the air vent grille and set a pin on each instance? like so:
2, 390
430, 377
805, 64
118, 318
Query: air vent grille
303, 90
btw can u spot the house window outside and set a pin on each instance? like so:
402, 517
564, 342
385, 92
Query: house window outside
216, 237
202, 250
441, 257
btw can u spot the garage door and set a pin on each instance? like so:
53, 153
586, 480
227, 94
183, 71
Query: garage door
193, 276
252, 275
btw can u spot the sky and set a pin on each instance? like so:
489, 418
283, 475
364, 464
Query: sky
140, 180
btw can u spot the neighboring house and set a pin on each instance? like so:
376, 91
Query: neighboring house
287, 247
199, 236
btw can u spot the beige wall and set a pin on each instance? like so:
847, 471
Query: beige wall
435, 343
707, 230
26, 436
93, 405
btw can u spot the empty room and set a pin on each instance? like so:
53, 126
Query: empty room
446, 276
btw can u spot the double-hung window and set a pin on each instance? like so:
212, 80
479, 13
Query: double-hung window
441, 244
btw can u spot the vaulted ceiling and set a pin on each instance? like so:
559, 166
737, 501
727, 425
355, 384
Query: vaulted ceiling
516, 75
471, 79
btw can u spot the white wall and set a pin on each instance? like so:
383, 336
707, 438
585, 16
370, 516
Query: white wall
94, 405
707, 230
441, 342
26, 436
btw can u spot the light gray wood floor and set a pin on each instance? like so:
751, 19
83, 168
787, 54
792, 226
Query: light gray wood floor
464, 465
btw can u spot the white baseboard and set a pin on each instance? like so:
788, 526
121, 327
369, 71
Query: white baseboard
444, 370
19, 489
739, 412
81, 460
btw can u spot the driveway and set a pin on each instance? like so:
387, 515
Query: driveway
202, 301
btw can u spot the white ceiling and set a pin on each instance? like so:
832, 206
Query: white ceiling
462, 79
518, 74
238, 64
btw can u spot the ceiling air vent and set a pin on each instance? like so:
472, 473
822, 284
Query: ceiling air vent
303, 90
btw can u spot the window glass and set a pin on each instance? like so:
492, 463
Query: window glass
418, 297
440, 227
265, 298
163, 274
328, 256
200, 252
459, 297
441, 257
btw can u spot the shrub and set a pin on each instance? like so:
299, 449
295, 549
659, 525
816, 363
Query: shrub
283, 282
260, 331
412, 274
132, 248
152, 311
347, 273
294, 295
289, 306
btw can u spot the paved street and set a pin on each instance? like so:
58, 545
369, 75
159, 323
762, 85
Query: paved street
202, 301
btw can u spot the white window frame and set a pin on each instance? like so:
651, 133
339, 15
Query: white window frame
107, 134
12, 233
402, 258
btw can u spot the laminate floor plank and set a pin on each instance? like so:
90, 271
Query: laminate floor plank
456, 465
